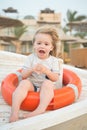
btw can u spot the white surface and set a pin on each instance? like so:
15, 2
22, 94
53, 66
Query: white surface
48, 119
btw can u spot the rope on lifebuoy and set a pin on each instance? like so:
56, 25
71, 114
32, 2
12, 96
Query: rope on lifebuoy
75, 88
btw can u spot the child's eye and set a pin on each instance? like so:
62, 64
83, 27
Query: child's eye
46, 44
38, 43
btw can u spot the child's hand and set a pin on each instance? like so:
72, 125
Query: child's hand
40, 69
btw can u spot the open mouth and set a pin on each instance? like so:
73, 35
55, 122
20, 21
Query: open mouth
42, 51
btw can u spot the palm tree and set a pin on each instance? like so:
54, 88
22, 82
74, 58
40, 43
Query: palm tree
72, 16
18, 32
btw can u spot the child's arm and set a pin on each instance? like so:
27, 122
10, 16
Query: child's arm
42, 69
26, 72
51, 75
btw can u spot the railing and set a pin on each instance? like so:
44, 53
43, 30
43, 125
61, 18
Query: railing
79, 57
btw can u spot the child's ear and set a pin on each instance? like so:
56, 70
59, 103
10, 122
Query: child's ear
51, 48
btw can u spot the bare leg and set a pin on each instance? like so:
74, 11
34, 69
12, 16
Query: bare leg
17, 98
46, 95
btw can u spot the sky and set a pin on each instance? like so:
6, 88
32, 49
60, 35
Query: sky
33, 7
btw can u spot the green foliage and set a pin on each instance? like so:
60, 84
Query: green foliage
72, 16
80, 34
18, 31
29, 17
66, 47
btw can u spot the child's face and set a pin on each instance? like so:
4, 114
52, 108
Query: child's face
43, 45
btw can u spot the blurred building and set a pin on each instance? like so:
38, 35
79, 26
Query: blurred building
46, 16
7, 33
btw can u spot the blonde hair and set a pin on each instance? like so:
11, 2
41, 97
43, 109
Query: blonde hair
51, 30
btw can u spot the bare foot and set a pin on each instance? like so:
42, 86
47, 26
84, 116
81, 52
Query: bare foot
34, 113
13, 118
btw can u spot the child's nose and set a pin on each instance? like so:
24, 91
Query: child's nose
42, 45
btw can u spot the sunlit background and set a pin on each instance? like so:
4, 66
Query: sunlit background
69, 17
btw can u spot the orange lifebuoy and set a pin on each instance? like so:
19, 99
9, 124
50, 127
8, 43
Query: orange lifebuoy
62, 97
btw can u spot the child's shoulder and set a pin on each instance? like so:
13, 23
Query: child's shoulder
57, 59
60, 60
30, 55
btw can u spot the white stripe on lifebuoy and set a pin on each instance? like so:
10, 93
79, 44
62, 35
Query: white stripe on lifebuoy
74, 87
62, 97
